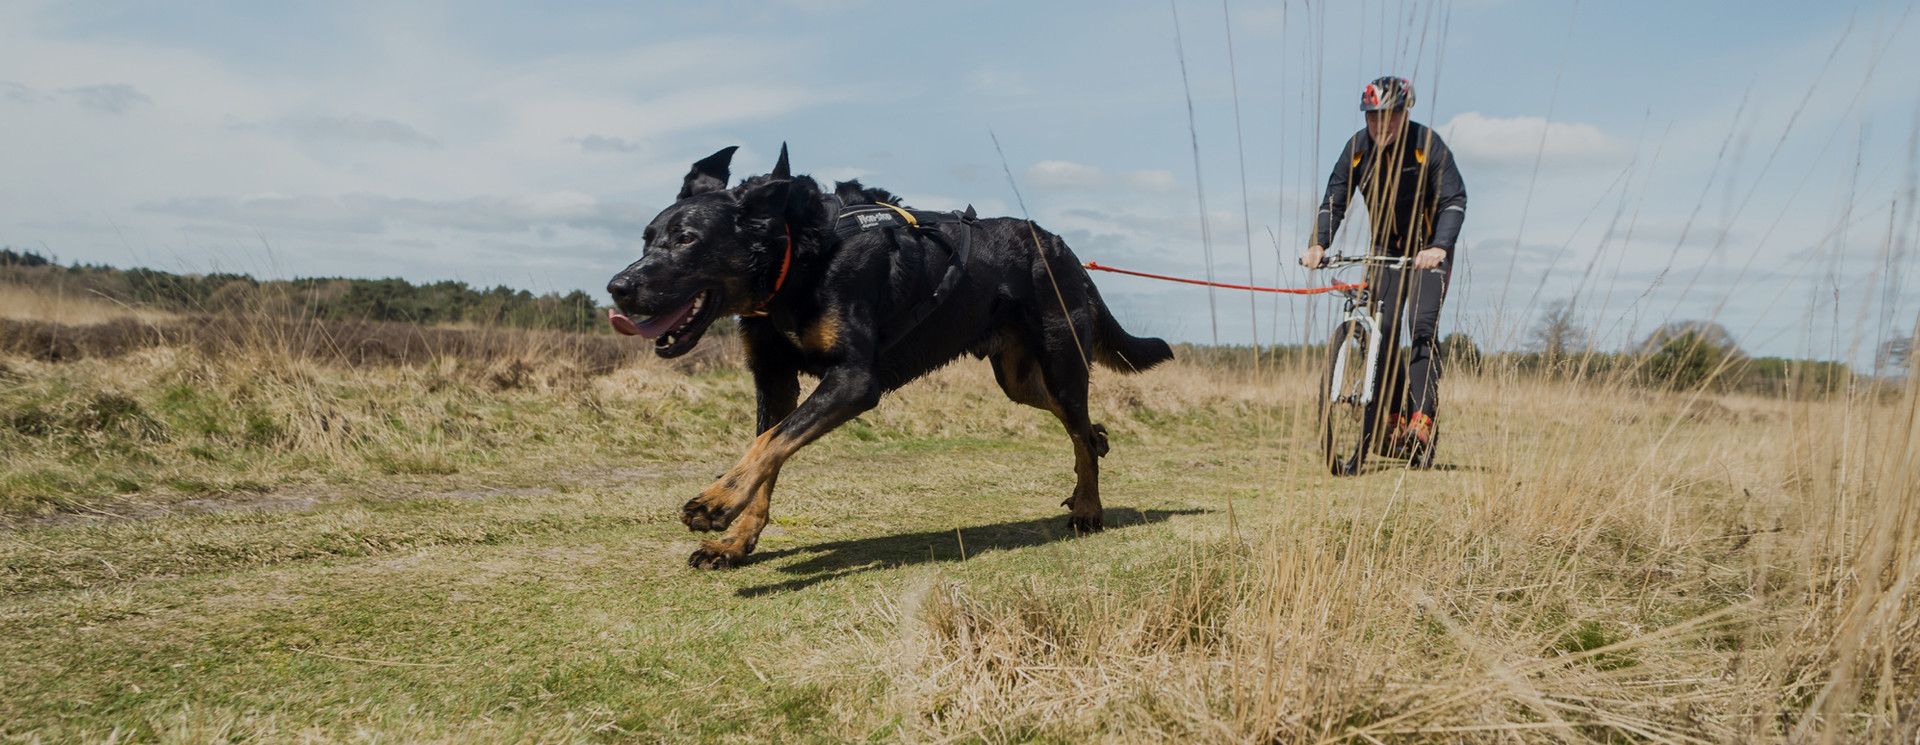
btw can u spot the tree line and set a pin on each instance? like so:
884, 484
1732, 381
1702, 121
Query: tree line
1687, 355
322, 298
1677, 356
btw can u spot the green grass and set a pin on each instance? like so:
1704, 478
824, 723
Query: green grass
445, 562
568, 613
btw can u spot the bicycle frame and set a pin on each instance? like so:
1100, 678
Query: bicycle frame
1364, 309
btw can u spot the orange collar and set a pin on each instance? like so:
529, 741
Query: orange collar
759, 311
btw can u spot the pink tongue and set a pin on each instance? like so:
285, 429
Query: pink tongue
622, 323
651, 327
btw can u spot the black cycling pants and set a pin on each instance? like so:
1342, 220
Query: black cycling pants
1413, 376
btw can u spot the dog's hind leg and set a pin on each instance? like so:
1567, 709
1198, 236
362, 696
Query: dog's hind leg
740, 499
1063, 392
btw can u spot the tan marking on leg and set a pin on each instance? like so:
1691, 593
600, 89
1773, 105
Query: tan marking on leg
823, 335
732, 548
1020, 379
1084, 505
740, 501
731, 492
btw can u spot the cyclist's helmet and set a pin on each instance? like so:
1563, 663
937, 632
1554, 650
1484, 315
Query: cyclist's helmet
1387, 94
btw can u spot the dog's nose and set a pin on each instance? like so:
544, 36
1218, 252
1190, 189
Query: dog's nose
620, 288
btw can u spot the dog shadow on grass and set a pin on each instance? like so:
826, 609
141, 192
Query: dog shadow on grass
827, 561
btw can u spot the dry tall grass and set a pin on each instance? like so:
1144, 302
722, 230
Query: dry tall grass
1613, 565
134, 414
29, 303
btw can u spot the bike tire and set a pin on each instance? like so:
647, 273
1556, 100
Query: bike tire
1342, 416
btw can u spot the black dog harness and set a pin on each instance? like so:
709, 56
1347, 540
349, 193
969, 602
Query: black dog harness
852, 221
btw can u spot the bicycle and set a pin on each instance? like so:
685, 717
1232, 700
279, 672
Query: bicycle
1353, 357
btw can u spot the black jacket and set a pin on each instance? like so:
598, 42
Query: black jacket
1416, 177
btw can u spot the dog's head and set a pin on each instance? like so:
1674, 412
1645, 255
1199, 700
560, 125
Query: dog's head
714, 252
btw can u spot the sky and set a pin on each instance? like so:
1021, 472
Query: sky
1751, 163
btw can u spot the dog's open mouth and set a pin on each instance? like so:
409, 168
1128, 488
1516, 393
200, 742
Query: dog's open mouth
673, 332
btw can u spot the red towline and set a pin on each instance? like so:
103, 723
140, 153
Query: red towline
1302, 291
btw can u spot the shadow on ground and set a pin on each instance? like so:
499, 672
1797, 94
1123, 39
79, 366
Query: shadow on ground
1385, 465
828, 561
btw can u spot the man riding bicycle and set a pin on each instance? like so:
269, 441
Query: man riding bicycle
1416, 204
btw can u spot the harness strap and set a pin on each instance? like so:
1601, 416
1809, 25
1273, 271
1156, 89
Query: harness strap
956, 268
911, 223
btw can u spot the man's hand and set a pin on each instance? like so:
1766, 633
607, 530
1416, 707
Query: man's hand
1429, 258
1313, 257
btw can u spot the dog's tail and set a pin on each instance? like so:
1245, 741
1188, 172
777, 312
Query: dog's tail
1117, 349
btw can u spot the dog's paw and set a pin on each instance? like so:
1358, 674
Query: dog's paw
699, 514
1099, 442
714, 509
1086, 524
716, 555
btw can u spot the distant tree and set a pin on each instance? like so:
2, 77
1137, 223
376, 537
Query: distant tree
326, 298
10, 257
1559, 333
1706, 331
1895, 357
1690, 354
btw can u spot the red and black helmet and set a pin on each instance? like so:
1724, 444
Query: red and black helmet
1387, 94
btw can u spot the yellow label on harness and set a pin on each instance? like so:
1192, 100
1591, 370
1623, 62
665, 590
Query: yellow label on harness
905, 215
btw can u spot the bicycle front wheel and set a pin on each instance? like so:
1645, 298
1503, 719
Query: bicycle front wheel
1342, 395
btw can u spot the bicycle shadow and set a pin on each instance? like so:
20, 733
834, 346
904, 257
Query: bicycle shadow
843, 558
1373, 467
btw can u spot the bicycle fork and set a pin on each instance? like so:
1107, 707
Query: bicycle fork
1365, 396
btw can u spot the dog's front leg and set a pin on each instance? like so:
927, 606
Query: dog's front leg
776, 374
740, 498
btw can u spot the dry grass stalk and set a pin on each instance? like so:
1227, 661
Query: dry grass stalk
1623, 566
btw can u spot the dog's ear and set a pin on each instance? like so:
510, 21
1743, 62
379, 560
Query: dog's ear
765, 206
708, 174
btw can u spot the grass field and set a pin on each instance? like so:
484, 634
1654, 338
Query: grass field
267, 547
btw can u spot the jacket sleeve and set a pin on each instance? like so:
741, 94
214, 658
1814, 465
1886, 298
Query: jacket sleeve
1333, 209
1451, 194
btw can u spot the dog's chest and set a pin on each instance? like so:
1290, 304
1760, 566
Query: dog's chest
811, 340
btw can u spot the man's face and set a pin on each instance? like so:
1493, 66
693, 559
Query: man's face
1385, 126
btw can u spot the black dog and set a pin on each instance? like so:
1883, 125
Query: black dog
842, 308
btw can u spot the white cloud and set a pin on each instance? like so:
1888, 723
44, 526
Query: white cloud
602, 144
113, 98
1491, 141
1149, 180
1060, 174
354, 128
18, 93
825, 6
998, 82
105, 98
373, 213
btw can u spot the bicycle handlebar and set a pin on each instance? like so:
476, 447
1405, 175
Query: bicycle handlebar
1387, 261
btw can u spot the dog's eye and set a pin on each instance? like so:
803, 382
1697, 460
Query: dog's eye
683, 239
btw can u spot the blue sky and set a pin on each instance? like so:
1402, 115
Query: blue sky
1650, 160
